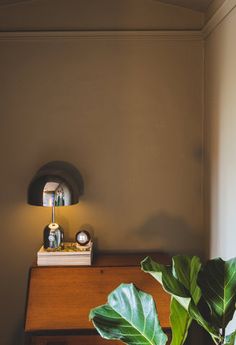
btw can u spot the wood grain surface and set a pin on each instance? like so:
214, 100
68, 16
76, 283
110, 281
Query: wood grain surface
60, 298
73, 340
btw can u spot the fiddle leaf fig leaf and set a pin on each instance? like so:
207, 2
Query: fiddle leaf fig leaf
231, 339
130, 316
197, 316
218, 284
186, 269
180, 322
180, 281
163, 274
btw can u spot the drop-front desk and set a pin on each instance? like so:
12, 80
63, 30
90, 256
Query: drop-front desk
59, 298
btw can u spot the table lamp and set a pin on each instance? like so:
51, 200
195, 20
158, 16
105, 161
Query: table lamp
55, 184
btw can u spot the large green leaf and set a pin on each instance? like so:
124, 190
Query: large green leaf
130, 316
164, 275
180, 281
185, 269
231, 339
218, 284
180, 322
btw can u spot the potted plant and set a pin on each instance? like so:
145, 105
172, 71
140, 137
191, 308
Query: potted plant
205, 293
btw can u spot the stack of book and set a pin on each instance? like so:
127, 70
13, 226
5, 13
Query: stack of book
70, 255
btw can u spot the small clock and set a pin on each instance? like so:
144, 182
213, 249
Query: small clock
82, 237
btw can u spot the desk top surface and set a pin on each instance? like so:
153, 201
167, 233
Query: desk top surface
108, 259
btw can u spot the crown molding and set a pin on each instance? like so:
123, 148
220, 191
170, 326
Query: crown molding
103, 35
222, 12
194, 35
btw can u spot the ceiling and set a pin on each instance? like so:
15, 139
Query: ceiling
199, 5
12, 2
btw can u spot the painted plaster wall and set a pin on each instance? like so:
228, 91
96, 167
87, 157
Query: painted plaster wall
220, 79
126, 111
221, 123
128, 114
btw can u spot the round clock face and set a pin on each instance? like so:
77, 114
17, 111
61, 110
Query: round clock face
82, 237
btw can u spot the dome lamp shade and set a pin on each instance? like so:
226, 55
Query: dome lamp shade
56, 183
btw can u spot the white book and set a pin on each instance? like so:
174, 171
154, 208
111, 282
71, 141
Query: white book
71, 255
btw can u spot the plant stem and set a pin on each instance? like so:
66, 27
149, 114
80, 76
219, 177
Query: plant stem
222, 337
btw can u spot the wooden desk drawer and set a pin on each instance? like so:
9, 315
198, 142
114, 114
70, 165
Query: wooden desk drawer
73, 340
60, 298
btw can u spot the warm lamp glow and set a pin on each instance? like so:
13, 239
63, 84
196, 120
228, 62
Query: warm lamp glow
55, 184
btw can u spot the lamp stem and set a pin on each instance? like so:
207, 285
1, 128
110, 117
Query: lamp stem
53, 214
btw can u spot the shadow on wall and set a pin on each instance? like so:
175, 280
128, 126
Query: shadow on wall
18, 335
171, 234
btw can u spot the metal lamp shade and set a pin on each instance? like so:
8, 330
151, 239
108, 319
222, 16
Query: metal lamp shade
55, 184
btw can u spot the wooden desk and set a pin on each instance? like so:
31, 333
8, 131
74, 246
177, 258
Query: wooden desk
60, 298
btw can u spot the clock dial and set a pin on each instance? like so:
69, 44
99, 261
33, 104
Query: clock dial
82, 237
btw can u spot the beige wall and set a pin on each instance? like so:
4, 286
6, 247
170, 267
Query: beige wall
221, 145
221, 126
127, 112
